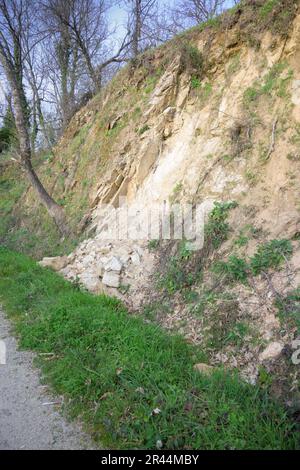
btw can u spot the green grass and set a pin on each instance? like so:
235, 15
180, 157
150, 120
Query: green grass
114, 370
143, 129
23, 228
267, 8
272, 84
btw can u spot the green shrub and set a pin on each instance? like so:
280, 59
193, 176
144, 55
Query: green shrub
270, 255
235, 269
217, 229
195, 82
177, 277
153, 244
7, 132
143, 129
268, 7
191, 60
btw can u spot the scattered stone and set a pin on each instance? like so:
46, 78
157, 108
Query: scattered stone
204, 369
159, 444
114, 265
125, 258
111, 279
87, 261
135, 258
100, 271
272, 351
104, 250
57, 263
91, 281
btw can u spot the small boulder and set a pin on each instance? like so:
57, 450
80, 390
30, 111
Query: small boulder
111, 279
204, 369
104, 250
114, 264
91, 281
272, 351
57, 263
135, 258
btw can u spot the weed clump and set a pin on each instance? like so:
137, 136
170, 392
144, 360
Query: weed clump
217, 229
235, 269
273, 84
270, 255
191, 60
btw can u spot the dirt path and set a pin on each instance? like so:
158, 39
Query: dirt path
27, 420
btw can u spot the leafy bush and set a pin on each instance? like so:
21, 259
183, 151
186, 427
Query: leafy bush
272, 83
270, 255
195, 82
268, 7
7, 132
191, 60
177, 277
235, 269
217, 229
153, 244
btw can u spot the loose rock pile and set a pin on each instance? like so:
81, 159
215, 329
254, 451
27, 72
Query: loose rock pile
115, 267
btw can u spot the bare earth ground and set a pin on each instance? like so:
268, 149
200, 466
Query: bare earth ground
27, 420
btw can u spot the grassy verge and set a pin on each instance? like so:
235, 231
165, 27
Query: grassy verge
25, 227
131, 383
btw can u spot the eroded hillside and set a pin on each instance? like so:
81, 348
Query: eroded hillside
212, 116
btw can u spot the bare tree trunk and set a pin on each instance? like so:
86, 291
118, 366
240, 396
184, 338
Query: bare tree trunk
54, 210
137, 28
91, 69
12, 59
